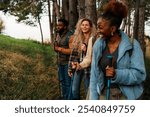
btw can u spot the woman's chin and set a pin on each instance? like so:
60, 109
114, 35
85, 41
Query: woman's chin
102, 36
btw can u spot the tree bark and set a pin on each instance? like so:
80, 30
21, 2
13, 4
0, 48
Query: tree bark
40, 29
141, 25
54, 22
129, 22
57, 10
123, 25
90, 8
65, 9
73, 14
136, 19
81, 8
50, 21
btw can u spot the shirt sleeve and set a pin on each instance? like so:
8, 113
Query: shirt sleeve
88, 58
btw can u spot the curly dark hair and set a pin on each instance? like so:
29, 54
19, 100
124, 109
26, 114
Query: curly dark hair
115, 11
64, 21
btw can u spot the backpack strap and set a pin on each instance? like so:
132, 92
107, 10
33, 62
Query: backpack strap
68, 36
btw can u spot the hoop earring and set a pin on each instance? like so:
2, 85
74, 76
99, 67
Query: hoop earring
112, 34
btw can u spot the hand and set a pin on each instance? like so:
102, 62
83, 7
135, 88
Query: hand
70, 73
57, 49
78, 67
74, 65
110, 72
83, 47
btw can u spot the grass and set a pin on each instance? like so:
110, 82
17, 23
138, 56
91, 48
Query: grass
27, 70
26, 47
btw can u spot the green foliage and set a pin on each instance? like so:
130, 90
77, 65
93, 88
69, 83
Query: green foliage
27, 70
4, 4
26, 11
24, 46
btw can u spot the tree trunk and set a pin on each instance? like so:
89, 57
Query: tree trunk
90, 10
59, 4
54, 22
129, 22
57, 10
81, 8
123, 25
50, 21
136, 19
65, 9
40, 28
141, 24
73, 14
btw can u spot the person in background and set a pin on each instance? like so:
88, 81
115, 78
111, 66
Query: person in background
80, 58
127, 72
63, 47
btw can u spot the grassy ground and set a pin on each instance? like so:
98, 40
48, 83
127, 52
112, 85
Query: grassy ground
27, 70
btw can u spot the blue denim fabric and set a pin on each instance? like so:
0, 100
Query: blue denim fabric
70, 97
78, 76
64, 79
130, 72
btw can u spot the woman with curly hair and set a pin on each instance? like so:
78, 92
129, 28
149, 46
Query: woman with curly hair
127, 72
80, 58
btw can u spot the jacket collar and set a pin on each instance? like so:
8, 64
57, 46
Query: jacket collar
125, 44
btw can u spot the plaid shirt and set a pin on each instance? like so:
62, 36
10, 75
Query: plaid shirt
77, 56
74, 57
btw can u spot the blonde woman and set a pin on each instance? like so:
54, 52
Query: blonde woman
80, 59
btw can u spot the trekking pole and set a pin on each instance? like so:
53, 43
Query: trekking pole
108, 79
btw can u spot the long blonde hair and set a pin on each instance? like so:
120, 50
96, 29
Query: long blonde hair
78, 34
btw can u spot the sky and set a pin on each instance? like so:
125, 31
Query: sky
20, 30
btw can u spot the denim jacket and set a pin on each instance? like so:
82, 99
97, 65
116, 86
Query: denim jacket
130, 72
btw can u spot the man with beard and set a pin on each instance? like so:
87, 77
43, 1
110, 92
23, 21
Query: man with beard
63, 47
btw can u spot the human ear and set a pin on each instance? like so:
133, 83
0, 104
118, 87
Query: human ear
113, 30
